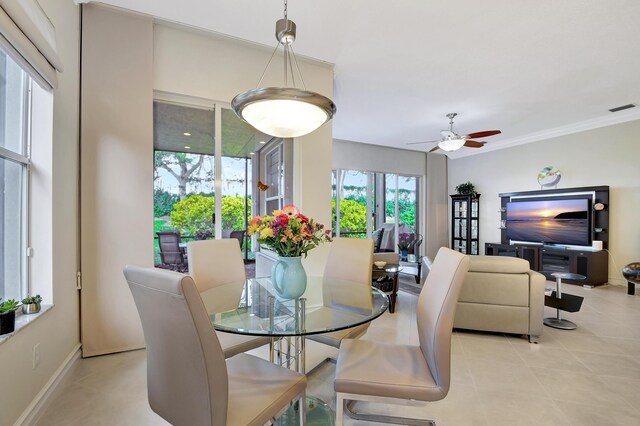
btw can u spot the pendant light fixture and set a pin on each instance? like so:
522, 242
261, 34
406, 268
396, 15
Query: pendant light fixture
285, 112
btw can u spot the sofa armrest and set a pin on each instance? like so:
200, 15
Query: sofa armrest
536, 302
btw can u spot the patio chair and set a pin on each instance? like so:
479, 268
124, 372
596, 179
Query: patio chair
239, 235
170, 251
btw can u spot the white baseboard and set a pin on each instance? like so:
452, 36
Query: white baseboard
42, 399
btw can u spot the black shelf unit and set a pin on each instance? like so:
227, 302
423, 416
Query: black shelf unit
465, 221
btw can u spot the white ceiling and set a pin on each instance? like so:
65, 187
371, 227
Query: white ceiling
532, 69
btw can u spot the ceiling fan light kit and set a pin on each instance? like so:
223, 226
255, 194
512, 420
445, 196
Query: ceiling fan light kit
285, 112
451, 141
451, 144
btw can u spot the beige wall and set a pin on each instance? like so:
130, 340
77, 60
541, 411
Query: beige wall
196, 64
57, 331
605, 156
116, 173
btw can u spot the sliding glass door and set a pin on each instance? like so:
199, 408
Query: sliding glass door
366, 202
203, 188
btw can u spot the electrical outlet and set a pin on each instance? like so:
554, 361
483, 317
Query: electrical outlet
36, 355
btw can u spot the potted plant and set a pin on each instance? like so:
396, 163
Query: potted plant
8, 310
466, 188
31, 305
404, 244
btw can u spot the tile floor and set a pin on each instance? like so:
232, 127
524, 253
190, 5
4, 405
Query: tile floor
588, 376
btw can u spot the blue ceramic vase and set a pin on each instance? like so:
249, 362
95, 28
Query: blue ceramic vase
289, 278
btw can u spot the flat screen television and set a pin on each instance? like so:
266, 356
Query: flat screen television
565, 221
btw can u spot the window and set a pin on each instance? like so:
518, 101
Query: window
14, 177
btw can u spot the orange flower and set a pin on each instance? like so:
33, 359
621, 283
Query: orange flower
255, 220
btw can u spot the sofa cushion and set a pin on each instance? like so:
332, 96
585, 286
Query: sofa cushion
500, 264
496, 288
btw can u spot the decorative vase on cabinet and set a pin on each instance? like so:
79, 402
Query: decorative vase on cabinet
465, 223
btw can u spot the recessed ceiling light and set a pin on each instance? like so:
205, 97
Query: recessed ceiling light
187, 147
263, 142
187, 134
251, 153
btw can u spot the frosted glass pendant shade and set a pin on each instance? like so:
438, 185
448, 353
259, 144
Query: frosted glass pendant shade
283, 112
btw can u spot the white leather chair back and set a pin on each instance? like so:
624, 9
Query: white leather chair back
215, 262
347, 274
436, 310
186, 371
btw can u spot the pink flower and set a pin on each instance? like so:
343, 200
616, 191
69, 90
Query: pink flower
290, 210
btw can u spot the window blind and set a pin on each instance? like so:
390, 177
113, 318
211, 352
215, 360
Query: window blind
29, 37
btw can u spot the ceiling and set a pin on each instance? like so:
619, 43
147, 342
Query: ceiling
531, 69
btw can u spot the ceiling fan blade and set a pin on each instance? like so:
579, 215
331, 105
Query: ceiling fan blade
434, 148
416, 143
483, 134
474, 144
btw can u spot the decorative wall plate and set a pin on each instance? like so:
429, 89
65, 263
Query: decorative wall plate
549, 176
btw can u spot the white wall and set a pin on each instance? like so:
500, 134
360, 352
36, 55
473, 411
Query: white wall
605, 156
359, 156
57, 331
196, 64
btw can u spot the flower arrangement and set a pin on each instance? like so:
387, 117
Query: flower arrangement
404, 241
288, 232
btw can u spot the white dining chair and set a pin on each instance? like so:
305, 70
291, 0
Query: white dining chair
394, 373
219, 264
350, 261
189, 382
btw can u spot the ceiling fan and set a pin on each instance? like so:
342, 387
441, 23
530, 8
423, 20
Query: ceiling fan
451, 141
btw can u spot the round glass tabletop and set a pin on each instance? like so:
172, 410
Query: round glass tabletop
254, 307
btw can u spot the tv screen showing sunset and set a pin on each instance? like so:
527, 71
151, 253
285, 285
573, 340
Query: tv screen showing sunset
549, 221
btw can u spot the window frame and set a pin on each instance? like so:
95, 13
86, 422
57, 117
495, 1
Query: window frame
24, 160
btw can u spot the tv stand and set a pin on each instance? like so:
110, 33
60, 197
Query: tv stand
594, 265
547, 258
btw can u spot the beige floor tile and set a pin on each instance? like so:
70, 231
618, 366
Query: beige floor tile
551, 358
506, 377
590, 415
578, 387
610, 364
494, 348
581, 377
502, 408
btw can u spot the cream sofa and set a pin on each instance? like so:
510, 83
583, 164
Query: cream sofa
501, 294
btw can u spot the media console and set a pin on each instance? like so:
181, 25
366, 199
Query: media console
592, 264
556, 258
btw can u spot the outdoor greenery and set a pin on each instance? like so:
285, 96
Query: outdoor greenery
353, 209
163, 202
353, 215
184, 167
194, 214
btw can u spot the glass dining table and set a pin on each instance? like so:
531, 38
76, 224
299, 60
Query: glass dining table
254, 308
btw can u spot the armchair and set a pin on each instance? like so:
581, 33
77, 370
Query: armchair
501, 293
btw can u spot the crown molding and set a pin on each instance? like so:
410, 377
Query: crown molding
582, 126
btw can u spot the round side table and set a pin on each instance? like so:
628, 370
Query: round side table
558, 321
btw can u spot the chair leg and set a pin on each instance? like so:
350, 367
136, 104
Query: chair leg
302, 402
380, 418
339, 409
